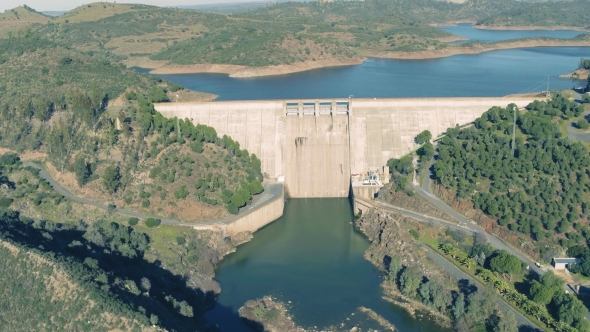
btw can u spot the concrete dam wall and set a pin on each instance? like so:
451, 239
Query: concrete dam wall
317, 144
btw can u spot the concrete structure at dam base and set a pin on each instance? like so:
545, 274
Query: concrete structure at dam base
252, 220
317, 145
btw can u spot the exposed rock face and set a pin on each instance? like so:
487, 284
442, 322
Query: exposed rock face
414, 203
390, 237
267, 315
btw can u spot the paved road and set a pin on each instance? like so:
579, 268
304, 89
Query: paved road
576, 135
458, 274
496, 242
271, 192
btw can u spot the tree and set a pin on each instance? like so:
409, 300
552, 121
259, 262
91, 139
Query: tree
582, 124
544, 290
586, 97
133, 221
503, 262
507, 323
82, 170
153, 319
458, 308
423, 137
410, 280
541, 294
152, 222
570, 309
481, 304
146, 284
394, 267
157, 95
255, 187
111, 178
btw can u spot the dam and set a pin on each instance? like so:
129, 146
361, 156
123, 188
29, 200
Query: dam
315, 146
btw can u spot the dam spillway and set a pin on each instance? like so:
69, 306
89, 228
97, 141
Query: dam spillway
318, 144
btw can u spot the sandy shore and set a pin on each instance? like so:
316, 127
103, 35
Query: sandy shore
244, 71
501, 27
160, 67
582, 74
481, 48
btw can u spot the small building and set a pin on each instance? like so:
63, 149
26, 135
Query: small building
563, 263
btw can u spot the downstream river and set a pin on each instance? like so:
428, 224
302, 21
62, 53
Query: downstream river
312, 256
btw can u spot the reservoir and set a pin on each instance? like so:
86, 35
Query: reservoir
490, 36
489, 74
312, 257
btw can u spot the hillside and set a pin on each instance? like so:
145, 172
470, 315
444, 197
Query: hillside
96, 11
551, 14
60, 299
535, 198
20, 18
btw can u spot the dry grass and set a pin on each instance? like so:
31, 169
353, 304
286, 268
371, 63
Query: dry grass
94, 12
19, 18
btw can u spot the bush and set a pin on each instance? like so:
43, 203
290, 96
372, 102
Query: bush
5, 202
9, 159
145, 203
582, 124
133, 221
414, 234
232, 208
152, 222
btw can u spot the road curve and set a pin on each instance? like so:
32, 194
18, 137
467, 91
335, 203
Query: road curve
270, 193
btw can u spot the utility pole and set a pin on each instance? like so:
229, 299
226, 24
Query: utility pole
514, 110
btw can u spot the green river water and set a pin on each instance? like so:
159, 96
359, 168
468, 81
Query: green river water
312, 257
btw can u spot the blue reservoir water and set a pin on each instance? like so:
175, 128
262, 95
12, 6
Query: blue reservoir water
496, 73
489, 36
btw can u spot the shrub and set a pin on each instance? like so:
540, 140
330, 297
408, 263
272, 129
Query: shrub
133, 221
145, 203
152, 222
414, 234
5, 202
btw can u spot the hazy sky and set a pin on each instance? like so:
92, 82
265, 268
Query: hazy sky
59, 5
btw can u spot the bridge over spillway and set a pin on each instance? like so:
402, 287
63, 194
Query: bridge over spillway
318, 144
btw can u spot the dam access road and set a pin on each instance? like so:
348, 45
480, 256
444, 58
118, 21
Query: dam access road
272, 193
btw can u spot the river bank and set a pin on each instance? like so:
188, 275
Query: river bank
237, 71
528, 28
477, 48
582, 74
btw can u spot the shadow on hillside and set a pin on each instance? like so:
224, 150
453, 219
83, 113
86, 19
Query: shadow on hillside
67, 242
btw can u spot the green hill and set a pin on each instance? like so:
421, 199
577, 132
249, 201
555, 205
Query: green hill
551, 14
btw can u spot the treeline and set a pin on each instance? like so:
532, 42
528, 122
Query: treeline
548, 14
106, 261
584, 64
539, 189
542, 297
469, 306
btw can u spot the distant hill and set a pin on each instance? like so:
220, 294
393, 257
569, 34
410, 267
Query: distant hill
550, 14
98, 10
54, 13
20, 18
